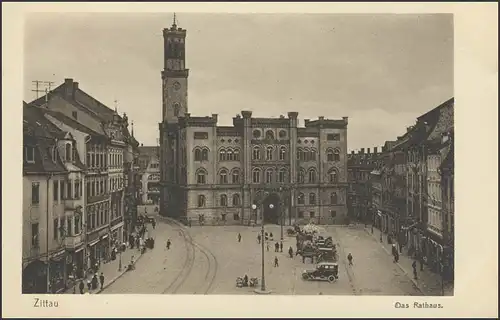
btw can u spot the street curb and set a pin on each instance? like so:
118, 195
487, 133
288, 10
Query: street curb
118, 276
415, 283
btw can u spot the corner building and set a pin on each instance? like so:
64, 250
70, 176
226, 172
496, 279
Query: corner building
216, 173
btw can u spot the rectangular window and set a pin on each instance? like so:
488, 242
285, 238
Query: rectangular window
75, 115
92, 164
35, 235
77, 224
55, 192
97, 161
311, 214
77, 189
35, 193
56, 229
62, 230
88, 189
333, 136
301, 214
70, 227
29, 154
333, 213
70, 191
61, 189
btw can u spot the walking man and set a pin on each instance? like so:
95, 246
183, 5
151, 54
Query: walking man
153, 223
89, 285
239, 237
101, 280
258, 238
81, 287
349, 257
281, 246
276, 262
276, 247
168, 244
267, 246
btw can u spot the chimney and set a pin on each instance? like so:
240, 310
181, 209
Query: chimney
375, 150
321, 118
368, 150
75, 86
215, 116
68, 88
187, 115
345, 119
306, 122
362, 151
352, 152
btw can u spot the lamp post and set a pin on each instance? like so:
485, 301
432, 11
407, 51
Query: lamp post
263, 277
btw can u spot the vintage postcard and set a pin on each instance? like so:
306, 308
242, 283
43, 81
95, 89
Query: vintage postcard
250, 160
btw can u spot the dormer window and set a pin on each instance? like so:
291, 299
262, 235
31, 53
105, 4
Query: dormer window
29, 154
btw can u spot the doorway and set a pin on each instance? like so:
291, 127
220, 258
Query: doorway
271, 215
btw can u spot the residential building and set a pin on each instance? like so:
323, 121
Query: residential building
149, 162
360, 165
211, 172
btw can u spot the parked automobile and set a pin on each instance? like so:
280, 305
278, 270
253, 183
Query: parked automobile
323, 271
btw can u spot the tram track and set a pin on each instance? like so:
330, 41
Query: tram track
187, 268
342, 257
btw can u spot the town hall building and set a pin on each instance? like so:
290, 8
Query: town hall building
258, 167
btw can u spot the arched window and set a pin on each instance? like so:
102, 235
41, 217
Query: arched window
197, 154
236, 200
333, 176
333, 198
256, 153
300, 198
282, 134
312, 175
237, 155
282, 175
269, 153
312, 198
301, 176
329, 155
336, 155
235, 176
68, 152
204, 155
269, 135
256, 175
223, 176
201, 201
312, 155
73, 155
282, 153
230, 155
269, 176
201, 176
222, 155
223, 200
305, 154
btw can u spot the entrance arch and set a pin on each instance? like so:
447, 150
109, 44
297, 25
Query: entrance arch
271, 215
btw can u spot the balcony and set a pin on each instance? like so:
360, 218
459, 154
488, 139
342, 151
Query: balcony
72, 242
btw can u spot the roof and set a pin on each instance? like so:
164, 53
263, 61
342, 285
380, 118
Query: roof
434, 113
40, 134
73, 123
149, 151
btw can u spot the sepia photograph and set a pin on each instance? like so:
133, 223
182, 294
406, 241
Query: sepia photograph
221, 161
313, 156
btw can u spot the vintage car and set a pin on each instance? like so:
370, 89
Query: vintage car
324, 271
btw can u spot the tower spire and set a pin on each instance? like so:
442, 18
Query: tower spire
175, 21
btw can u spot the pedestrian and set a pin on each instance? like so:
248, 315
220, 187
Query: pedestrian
267, 246
168, 244
372, 229
81, 287
101, 280
276, 247
290, 252
89, 285
381, 237
271, 236
349, 257
94, 282
239, 237
276, 262
266, 236
394, 252
258, 238
414, 266
281, 246
153, 223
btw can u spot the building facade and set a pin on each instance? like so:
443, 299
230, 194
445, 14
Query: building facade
149, 163
360, 165
211, 172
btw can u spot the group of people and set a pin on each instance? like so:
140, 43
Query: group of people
92, 284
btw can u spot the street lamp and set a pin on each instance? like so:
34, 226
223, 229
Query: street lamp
282, 204
263, 277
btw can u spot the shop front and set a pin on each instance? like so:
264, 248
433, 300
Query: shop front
75, 265
57, 271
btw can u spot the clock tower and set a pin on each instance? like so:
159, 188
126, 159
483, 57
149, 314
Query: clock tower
174, 75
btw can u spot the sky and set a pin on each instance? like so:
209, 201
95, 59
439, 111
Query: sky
382, 71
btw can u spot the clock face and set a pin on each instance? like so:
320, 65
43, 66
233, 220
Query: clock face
177, 85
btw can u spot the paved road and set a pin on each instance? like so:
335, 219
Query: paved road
208, 260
